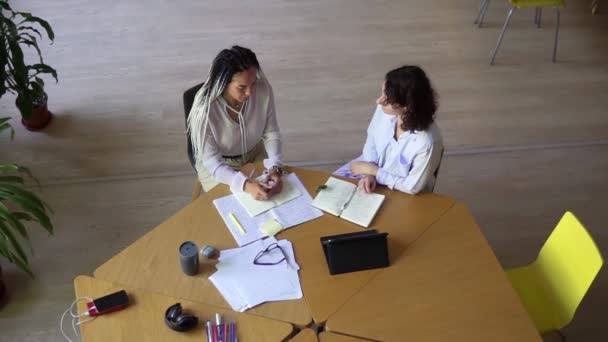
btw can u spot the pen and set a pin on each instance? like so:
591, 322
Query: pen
237, 223
209, 332
218, 322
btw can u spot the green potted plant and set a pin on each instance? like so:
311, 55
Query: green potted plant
18, 30
18, 207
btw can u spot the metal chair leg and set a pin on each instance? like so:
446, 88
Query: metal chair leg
556, 34
482, 12
481, 5
540, 14
502, 33
535, 15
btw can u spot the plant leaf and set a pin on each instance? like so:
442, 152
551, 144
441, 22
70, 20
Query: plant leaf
11, 179
24, 103
26, 194
34, 44
45, 69
23, 28
10, 218
14, 242
6, 6
9, 168
32, 208
32, 19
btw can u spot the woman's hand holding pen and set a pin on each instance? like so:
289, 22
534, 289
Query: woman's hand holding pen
258, 190
275, 182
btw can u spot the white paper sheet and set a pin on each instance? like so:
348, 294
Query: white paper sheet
290, 214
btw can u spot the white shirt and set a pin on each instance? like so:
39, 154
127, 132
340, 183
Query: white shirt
223, 137
407, 164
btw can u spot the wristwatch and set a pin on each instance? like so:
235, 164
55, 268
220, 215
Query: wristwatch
277, 169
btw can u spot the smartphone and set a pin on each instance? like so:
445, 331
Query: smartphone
110, 303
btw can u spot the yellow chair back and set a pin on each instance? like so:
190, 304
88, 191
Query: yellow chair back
568, 263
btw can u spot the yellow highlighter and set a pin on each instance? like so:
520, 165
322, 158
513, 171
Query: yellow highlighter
238, 224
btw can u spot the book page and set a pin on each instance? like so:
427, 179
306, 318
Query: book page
362, 208
333, 198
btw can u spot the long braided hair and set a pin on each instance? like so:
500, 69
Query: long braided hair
227, 63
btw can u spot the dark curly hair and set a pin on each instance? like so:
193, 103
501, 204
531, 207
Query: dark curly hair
409, 87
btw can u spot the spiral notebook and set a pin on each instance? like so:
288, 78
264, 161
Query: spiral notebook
343, 199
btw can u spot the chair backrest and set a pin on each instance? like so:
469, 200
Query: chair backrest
437, 170
569, 262
188, 101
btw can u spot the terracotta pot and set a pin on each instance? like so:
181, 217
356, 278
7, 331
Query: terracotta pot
41, 116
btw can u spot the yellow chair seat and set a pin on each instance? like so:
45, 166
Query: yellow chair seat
533, 294
536, 3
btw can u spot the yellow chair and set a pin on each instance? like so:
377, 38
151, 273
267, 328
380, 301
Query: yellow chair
537, 4
552, 287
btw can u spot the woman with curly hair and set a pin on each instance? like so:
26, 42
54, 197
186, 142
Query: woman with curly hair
404, 146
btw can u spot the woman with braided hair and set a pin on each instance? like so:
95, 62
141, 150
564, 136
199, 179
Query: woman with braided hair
233, 122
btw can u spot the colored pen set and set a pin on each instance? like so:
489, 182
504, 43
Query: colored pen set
221, 331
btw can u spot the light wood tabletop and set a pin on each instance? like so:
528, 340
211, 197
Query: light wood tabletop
152, 262
403, 216
143, 319
447, 286
326, 336
305, 335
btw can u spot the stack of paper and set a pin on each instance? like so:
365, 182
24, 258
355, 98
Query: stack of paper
288, 214
244, 284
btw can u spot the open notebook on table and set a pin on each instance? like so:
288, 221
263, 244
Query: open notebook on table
254, 208
289, 214
344, 199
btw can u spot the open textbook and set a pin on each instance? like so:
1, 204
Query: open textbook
254, 208
344, 199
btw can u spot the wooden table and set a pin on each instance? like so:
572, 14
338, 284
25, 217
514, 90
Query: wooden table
143, 319
330, 337
448, 286
444, 282
152, 262
305, 335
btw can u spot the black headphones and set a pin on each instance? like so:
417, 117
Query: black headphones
179, 321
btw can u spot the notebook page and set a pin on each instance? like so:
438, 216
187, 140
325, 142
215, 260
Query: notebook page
253, 207
290, 191
337, 193
362, 208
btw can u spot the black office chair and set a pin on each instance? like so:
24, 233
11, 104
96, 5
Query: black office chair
188, 101
437, 170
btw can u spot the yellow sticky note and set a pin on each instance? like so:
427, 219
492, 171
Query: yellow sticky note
271, 227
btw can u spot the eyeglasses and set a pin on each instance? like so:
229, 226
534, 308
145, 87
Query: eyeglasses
267, 253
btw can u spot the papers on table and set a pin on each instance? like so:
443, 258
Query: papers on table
244, 284
288, 214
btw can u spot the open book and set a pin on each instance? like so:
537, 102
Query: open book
254, 208
343, 199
